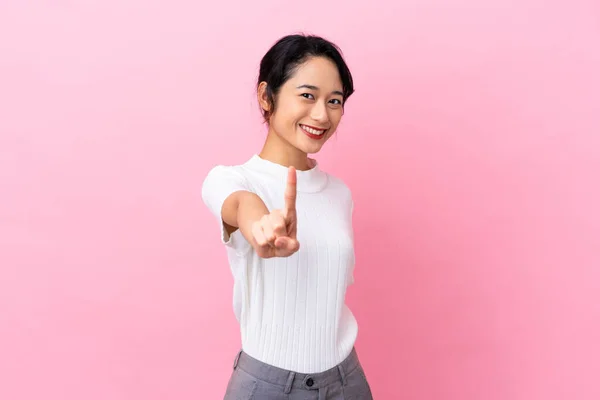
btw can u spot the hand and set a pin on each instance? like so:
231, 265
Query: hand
275, 233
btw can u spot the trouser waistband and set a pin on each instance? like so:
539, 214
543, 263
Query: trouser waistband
290, 379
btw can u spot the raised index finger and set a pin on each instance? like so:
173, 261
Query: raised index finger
290, 191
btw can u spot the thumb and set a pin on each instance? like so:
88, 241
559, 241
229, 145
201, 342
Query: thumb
286, 243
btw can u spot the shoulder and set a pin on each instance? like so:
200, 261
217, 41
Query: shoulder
225, 177
223, 171
337, 182
340, 187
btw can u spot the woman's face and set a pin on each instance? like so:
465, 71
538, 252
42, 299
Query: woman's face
309, 105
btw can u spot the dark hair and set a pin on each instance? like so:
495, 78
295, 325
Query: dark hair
288, 53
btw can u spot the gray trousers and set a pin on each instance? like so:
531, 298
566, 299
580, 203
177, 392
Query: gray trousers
255, 380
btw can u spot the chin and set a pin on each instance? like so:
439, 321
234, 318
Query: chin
311, 149
309, 146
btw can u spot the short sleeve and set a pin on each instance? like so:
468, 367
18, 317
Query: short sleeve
220, 182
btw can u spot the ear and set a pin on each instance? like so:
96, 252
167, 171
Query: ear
263, 99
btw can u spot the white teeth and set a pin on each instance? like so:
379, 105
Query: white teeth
313, 131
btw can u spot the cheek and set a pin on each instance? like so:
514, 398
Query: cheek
290, 114
335, 116
284, 121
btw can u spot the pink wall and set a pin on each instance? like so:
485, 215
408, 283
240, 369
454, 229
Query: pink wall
478, 264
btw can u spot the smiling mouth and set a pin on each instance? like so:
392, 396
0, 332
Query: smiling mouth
312, 131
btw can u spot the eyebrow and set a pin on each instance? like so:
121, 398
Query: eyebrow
313, 87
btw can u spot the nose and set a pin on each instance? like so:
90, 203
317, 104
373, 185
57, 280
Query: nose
319, 112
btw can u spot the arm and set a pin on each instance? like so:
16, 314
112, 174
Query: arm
271, 233
230, 199
240, 210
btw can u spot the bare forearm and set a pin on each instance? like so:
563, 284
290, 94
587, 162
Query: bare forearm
271, 233
241, 210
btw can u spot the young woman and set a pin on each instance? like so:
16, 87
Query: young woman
287, 228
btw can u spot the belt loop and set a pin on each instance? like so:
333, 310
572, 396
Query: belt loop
290, 381
237, 359
342, 374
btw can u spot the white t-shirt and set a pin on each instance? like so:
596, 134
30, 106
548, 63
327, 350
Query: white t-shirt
291, 310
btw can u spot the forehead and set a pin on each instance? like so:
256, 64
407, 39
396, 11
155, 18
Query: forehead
317, 71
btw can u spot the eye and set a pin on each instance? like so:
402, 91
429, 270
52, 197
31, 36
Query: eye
307, 96
337, 102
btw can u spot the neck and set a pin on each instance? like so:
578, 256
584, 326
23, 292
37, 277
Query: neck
281, 152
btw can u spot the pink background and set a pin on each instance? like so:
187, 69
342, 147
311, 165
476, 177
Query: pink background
478, 262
